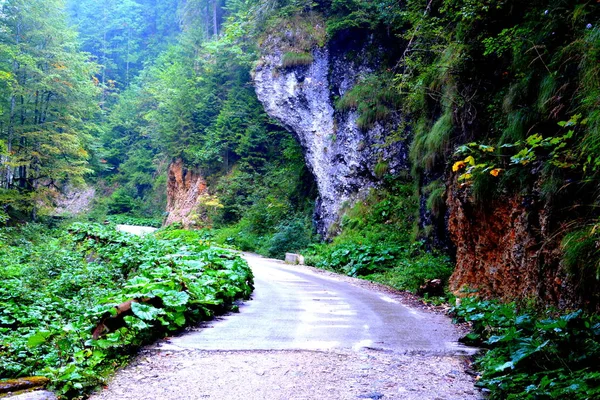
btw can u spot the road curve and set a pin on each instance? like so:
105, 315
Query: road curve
298, 308
305, 335
136, 230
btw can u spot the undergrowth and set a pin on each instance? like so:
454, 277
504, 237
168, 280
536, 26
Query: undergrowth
57, 288
375, 242
534, 355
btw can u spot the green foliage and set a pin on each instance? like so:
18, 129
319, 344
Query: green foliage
291, 236
376, 242
58, 287
414, 267
356, 259
430, 146
373, 98
532, 356
124, 34
581, 257
511, 162
48, 102
361, 14
120, 202
435, 197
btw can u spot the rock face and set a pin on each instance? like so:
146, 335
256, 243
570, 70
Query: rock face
74, 201
341, 156
185, 191
506, 249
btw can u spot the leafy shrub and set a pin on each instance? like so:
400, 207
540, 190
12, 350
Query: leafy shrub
413, 270
239, 237
534, 356
402, 267
120, 202
291, 236
358, 260
57, 289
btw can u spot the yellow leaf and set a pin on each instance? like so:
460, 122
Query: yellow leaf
458, 165
496, 171
470, 160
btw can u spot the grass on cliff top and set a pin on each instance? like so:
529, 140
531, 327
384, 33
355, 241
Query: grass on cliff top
300, 33
296, 59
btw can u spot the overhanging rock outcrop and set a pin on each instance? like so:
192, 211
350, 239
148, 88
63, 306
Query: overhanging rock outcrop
341, 156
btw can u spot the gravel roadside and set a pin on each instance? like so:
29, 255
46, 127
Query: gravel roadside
297, 375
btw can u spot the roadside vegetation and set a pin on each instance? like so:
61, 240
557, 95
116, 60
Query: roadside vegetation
531, 354
77, 302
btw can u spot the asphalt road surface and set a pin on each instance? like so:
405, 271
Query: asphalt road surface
298, 308
306, 334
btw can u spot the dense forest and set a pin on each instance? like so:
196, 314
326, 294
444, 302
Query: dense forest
463, 146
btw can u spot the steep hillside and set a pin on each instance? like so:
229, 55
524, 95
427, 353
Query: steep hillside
498, 105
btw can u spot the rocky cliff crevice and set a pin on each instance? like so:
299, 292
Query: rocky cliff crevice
341, 156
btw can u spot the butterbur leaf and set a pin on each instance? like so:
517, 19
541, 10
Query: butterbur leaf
135, 323
508, 364
137, 282
145, 311
173, 298
179, 319
38, 338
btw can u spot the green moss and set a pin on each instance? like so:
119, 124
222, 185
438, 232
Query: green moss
381, 168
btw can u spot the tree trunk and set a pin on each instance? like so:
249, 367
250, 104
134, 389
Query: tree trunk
215, 26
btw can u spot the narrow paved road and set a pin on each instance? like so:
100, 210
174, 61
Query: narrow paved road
306, 334
298, 308
136, 230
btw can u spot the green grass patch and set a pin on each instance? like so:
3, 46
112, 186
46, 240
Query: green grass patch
296, 59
